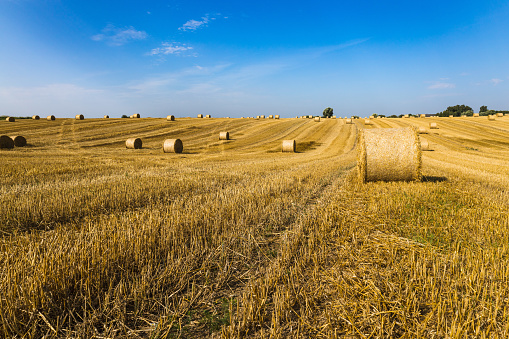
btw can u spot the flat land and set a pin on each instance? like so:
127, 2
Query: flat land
236, 239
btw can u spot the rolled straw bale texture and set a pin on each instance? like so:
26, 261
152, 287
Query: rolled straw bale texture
276, 116
317, 119
6, 142
389, 154
19, 141
491, 117
333, 117
476, 115
170, 118
422, 130
79, 117
433, 125
133, 143
271, 116
131, 116
173, 146
10, 119
200, 115
368, 122
50, 117
257, 117
35, 117
451, 116
106, 117
424, 145
500, 115
289, 146
224, 136
348, 121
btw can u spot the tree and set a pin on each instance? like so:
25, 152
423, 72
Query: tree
328, 112
483, 109
455, 111
124, 116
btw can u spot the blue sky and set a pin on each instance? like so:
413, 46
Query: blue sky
242, 59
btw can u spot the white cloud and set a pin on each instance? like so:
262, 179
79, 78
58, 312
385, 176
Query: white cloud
496, 81
119, 36
442, 85
169, 48
193, 25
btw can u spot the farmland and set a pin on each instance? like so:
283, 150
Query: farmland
233, 238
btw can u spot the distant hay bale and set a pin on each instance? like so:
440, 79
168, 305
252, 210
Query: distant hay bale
310, 117
389, 154
276, 116
200, 115
491, 117
271, 116
368, 122
424, 145
6, 142
433, 125
406, 116
257, 117
333, 117
451, 116
106, 117
303, 117
422, 115
50, 117
136, 116
79, 117
131, 116
10, 119
224, 136
170, 118
35, 117
208, 116
173, 146
348, 121
371, 116
499, 115
133, 143
422, 130
289, 146
463, 116
476, 115
317, 119
262, 116
19, 141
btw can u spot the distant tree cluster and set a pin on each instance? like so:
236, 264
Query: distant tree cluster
328, 112
456, 111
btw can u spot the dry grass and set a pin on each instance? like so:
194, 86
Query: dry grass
231, 240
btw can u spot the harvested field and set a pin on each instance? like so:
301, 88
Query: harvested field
237, 239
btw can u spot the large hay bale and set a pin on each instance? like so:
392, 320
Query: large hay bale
6, 142
499, 115
271, 116
224, 136
433, 125
106, 117
262, 116
200, 116
170, 118
422, 130
491, 117
173, 146
208, 116
333, 117
422, 115
424, 145
368, 122
19, 141
79, 117
35, 117
289, 146
133, 143
451, 116
10, 119
276, 116
389, 154
348, 121
317, 119
475, 115
50, 117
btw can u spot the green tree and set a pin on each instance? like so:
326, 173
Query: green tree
328, 112
124, 116
455, 111
483, 109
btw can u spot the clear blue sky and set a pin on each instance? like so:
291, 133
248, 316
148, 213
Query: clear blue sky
235, 58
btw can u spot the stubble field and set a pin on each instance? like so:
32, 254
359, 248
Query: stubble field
236, 239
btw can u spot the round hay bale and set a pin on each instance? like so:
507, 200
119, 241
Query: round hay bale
317, 119
6, 142
368, 122
106, 117
491, 117
19, 141
289, 146
424, 145
136, 115
433, 125
499, 115
208, 116
371, 116
35, 117
348, 121
224, 136
406, 116
200, 116
422, 130
10, 119
310, 117
170, 118
276, 116
50, 117
333, 117
451, 116
131, 116
262, 116
271, 116
423, 115
173, 146
476, 115
257, 117
133, 143
80, 117
389, 154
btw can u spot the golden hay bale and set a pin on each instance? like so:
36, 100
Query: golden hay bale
200, 115
50, 117
310, 117
257, 117
289, 146
10, 119
208, 116
106, 117
476, 115
173, 146
423, 115
317, 119
368, 122
6, 142
170, 118
389, 154
333, 117
224, 136
79, 117
491, 117
262, 116
136, 116
133, 143
303, 117
276, 116
406, 116
424, 145
271, 116
349, 121
35, 117
422, 130
499, 115
371, 116
433, 125
19, 141
451, 116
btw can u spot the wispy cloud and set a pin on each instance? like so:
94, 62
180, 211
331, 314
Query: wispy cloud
442, 85
193, 25
170, 48
119, 36
496, 81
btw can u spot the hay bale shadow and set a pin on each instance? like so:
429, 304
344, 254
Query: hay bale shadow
430, 178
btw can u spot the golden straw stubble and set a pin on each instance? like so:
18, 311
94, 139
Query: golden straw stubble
224, 136
289, 146
133, 143
389, 154
173, 146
